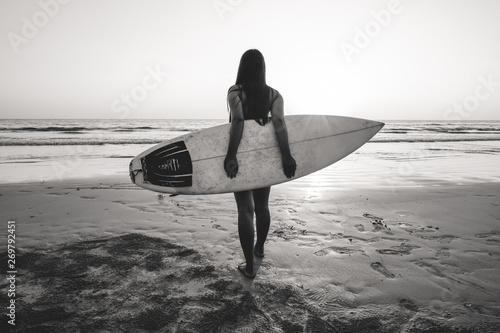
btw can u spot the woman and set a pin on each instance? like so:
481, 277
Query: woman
252, 98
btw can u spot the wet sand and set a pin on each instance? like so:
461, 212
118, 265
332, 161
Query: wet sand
349, 250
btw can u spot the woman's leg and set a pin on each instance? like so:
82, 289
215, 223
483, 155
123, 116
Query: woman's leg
262, 216
244, 201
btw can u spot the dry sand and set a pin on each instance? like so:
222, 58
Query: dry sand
360, 254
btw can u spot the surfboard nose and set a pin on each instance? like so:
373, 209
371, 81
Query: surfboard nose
373, 124
371, 127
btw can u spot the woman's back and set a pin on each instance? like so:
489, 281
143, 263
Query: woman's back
237, 92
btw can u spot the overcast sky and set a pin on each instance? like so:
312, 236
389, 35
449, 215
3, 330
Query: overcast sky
407, 59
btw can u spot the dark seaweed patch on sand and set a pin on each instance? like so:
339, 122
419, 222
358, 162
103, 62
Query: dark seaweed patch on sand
136, 283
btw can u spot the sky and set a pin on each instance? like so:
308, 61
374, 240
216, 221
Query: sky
157, 59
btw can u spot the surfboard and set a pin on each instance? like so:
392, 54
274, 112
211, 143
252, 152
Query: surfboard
194, 163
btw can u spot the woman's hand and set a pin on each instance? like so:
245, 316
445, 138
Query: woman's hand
289, 166
231, 166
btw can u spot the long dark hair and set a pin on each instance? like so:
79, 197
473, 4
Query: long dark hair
251, 79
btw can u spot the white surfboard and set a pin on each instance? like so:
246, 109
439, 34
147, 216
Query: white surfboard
194, 163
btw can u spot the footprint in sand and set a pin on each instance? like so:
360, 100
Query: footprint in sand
378, 224
409, 305
443, 253
429, 268
287, 232
403, 249
218, 227
411, 230
360, 227
488, 234
382, 270
491, 237
340, 250
445, 239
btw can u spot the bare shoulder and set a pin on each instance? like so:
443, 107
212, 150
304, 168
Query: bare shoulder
234, 94
234, 89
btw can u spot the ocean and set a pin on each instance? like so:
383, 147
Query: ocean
150, 131
67, 144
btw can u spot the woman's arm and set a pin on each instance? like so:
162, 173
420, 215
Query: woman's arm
278, 119
237, 123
